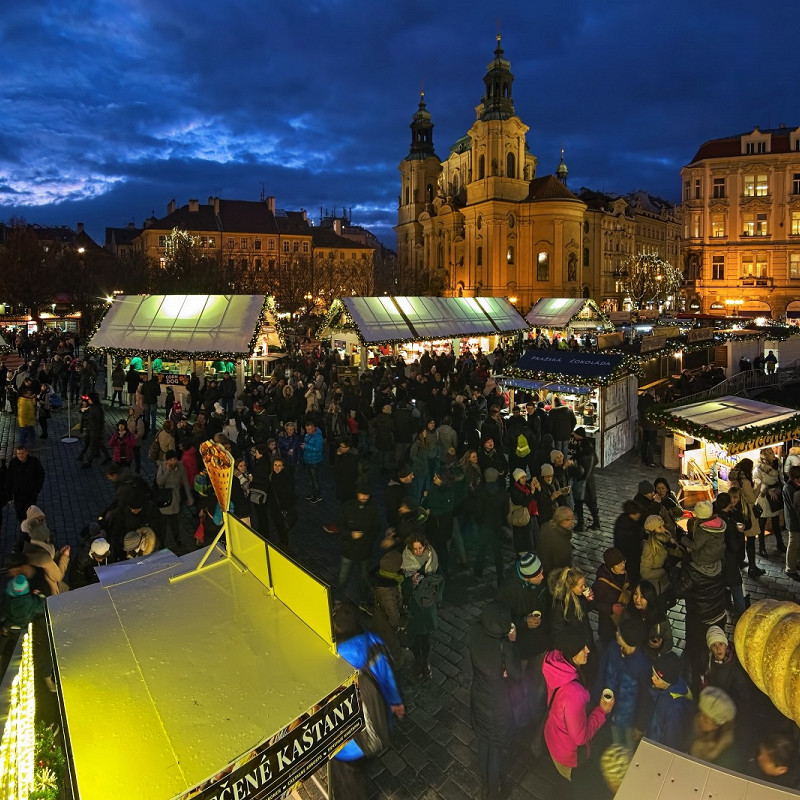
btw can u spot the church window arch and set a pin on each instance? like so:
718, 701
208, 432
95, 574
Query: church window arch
543, 266
511, 165
429, 192
481, 167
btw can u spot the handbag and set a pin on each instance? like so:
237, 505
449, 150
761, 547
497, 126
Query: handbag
518, 516
258, 496
624, 597
163, 496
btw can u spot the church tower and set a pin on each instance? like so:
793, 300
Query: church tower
420, 173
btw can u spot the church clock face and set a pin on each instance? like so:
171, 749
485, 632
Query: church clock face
479, 222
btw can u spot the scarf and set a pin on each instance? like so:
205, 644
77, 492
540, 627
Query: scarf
394, 576
710, 746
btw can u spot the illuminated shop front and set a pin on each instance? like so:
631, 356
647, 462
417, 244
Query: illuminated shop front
365, 329
712, 436
565, 317
600, 388
175, 335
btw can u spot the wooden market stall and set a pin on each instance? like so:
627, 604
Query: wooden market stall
601, 389
711, 436
175, 335
213, 675
568, 316
363, 329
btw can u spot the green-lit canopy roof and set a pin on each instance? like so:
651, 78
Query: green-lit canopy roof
563, 312
410, 319
193, 325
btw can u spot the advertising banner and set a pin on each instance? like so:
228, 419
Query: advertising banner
271, 770
700, 334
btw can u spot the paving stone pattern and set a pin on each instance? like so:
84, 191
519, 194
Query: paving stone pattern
434, 751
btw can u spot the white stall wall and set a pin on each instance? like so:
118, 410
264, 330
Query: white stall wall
738, 348
785, 352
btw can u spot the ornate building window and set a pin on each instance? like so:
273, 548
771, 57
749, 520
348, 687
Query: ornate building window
479, 256
794, 230
481, 167
429, 192
718, 268
510, 255
755, 186
585, 256
718, 230
543, 267
794, 265
511, 166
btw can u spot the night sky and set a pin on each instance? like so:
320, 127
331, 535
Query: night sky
110, 109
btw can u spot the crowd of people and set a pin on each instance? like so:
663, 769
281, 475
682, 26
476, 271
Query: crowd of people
576, 667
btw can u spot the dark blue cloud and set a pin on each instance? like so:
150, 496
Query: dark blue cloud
108, 110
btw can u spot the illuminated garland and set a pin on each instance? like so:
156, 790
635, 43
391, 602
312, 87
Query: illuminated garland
749, 437
630, 365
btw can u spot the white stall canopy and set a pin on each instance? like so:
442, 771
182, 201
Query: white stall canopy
559, 313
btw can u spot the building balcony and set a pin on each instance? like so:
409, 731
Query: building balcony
753, 281
746, 235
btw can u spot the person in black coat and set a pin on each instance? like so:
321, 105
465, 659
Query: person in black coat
359, 524
495, 666
562, 422
629, 538
281, 501
345, 470
24, 478
734, 552
583, 454
491, 502
489, 456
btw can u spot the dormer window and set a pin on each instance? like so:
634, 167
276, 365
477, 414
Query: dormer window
756, 143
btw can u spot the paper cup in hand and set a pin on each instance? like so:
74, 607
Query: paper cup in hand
536, 614
608, 695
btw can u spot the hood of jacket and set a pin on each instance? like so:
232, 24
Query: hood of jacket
557, 670
715, 525
496, 620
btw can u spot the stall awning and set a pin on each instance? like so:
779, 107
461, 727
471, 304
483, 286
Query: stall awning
387, 320
737, 423
568, 363
188, 326
530, 386
166, 684
562, 312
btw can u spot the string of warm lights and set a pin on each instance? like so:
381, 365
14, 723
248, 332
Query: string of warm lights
17, 749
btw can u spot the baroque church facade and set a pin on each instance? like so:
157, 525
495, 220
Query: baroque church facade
482, 222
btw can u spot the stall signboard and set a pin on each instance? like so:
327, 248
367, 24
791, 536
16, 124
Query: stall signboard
272, 769
607, 340
650, 343
584, 365
171, 379
670, 331
347, 372
700, 334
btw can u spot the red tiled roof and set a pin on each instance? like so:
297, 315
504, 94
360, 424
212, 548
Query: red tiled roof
731, 146
549, 188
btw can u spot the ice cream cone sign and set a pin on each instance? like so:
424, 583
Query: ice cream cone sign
219, 466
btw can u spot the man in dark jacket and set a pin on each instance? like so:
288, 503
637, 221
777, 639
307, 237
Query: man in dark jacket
383, 431
495, 429
490, 510
584, 490
629, 538
791, 510
399, 487
359, 524
24, 480
649, 429
151, 391
555, 540
405, 428
647, 500
489, 457
524, 592
562, 423
95, 420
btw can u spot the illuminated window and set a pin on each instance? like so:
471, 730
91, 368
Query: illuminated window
257, 244
794, 265
794, 228
755, 186
717, 226
696, 225
162, 262
510, 254
718, 189
718, 268
305, 247
543, 267
754, 224
162, 241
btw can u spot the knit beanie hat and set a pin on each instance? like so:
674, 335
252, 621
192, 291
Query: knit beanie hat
653, 522
633, 631
17, 586
529, 565
518, 474
570, 641
703, 510
645, 487
38, 531
100, 547
547, 469
717, 705
554, 454
668, 667
715, 635
612, 557
392, 561
132, 541
33, 513
490, 475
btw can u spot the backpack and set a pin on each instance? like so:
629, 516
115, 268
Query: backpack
523, 448
154, 451
373, 738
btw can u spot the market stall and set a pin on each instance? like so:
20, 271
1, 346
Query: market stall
175, 335
713, 435
601, 389
363, 329
209, 676
567, 316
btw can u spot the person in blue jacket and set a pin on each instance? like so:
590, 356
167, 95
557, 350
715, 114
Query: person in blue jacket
673, 708
626, 670
347, 775
312, 458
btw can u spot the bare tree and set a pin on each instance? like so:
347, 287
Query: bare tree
649, 279
27, 269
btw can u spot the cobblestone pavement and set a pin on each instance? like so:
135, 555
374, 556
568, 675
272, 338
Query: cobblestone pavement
434, 752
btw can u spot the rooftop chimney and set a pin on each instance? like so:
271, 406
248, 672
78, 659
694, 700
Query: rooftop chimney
194, 206
80, 227
271, 203
171, 206
337, 227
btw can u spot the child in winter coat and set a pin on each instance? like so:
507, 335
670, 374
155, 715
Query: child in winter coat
673, 707
20, 606
708, 539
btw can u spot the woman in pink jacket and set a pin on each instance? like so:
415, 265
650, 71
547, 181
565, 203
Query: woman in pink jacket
568, 726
